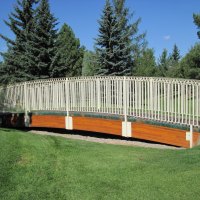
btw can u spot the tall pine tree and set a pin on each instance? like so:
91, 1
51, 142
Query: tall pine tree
21, 23
196, 18
69, 57
175, 56
116, 42
45, 40
174, 59
164, 63
107, 43
133, 44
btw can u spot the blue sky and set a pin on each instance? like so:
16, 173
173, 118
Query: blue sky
166, 21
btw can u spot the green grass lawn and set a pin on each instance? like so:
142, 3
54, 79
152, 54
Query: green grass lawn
46, 167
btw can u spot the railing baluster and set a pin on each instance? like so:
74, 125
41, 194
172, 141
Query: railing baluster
160, 99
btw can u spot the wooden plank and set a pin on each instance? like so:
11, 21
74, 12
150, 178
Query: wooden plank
98, 125
196, 139
139, 130
160, 134
48, 121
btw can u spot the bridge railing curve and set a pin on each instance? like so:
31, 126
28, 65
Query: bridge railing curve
160, 99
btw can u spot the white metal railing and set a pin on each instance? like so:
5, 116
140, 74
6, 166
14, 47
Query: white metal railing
160, 99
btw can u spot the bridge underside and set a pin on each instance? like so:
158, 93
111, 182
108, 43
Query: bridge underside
115, 125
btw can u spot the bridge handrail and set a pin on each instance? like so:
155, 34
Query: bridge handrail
154, 98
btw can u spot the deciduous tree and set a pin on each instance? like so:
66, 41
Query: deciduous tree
190, 64
146, 64
90, 67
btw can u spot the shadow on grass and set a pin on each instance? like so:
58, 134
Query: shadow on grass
91, 134
9, 130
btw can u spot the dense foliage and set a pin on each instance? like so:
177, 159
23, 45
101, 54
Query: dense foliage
190, 64
163, 63
70, 54
90, 66
146, 64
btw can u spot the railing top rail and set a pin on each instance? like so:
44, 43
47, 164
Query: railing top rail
136, 78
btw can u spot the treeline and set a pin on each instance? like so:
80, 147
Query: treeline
120, 50
39, 50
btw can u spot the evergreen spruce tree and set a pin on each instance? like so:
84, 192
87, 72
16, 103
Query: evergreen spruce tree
21, 23
196, 18
124, 38
174, 59
69, 57
106, 43
10, 72
133, 44
45, 41
175, 56
164, 63
2, 73
115, 44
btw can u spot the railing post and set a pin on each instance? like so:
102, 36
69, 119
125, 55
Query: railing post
67, 96
126, 126
189, 136
151, 98
26, 116
68, 119
98, 94
125, 99
25, 97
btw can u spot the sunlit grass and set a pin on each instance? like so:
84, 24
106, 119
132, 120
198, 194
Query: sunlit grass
46, 167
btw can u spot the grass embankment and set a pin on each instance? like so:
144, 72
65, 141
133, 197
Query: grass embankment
46, 167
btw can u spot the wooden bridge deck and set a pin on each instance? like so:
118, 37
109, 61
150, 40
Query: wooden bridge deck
139, 129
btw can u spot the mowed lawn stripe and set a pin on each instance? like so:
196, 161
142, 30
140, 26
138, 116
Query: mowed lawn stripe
48, 167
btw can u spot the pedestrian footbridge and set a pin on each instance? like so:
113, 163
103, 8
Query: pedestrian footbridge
156, 109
